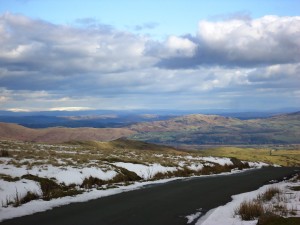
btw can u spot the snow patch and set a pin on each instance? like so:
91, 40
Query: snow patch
225, 214
256, 164
67, 175
145, 172
9, 190
218, 160
195, 167
191, 218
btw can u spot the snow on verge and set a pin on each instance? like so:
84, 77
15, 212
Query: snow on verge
40, 205
145, 172
67, 175
225, 214
191, 218
218, 160
9, 190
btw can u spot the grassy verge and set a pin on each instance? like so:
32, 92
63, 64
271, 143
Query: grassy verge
279, 157
51, 189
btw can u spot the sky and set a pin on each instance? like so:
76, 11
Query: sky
134, 54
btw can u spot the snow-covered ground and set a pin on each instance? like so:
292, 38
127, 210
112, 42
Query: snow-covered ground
71, 165
225, 215
145, 171
66, 174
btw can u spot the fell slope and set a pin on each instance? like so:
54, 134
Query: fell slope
213, 129
60, 134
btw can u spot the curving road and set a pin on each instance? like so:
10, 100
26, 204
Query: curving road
164, 204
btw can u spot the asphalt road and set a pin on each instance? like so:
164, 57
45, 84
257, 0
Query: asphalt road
164, 204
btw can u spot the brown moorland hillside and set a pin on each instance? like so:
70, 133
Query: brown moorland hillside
188, 122
59, 134
214, 129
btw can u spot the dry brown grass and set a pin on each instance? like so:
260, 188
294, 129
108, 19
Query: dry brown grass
4, 153
250, 210
269, 194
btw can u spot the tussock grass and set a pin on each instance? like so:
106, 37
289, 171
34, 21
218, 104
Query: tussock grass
266, 213
18, 200
295, 188
8, 178
125, 175
51, 189
30, 196
269, 194
186, 172
92, 182
4, 153
250, 210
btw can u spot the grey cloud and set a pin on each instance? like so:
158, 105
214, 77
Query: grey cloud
276, 73
276, 78
33, 45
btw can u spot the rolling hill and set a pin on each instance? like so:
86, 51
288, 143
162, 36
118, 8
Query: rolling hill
196, 129
213, 129
60, 134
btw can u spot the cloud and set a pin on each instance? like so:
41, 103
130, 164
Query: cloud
69, 108
93, 65
146, 26
34, 45
178, 46
239, 15
276, 73
244, 43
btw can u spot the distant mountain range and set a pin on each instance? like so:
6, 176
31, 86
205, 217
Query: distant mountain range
115, 118
95, 121
171, 130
